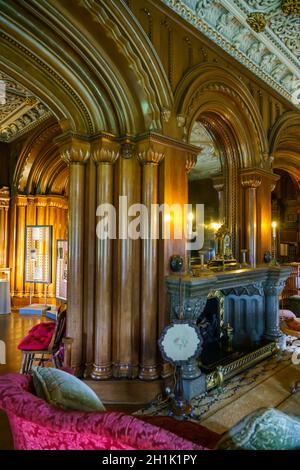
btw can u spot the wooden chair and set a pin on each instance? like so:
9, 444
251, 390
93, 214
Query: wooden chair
52, 353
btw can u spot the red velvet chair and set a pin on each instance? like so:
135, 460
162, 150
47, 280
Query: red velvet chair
36, 425
43, 344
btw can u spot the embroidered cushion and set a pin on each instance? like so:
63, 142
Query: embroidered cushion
38, 338
265, 429
64, 390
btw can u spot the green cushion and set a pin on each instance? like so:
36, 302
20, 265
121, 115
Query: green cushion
64, 390
265, 429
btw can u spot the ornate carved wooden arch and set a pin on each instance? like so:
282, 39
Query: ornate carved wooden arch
112, 81
35, 144
285, 143
285, 130
211, 88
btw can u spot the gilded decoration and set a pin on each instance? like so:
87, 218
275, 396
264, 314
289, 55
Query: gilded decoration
290, 7
20, 111
257, 21
274, 58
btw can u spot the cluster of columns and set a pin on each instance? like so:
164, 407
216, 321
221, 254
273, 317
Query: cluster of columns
33, 210
4, 226
257, 212
254, 206
115, 309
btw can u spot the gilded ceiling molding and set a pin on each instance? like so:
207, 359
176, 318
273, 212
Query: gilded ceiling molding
290, 7
274, 55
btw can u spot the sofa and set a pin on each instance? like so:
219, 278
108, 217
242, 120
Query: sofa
36, 425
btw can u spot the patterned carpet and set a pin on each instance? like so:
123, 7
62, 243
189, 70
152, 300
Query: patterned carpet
209, 403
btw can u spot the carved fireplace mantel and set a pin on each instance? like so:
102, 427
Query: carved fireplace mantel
248, 302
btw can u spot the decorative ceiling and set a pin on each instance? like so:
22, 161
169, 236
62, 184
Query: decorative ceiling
20, 111
264, 35
208, 161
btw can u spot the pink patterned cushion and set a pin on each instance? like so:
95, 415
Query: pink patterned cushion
38, 338
37, 426
286, 315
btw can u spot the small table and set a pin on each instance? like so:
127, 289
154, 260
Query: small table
5, 306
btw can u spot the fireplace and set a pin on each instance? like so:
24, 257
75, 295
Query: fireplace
237, 313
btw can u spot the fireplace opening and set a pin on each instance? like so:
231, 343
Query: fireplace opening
219, 345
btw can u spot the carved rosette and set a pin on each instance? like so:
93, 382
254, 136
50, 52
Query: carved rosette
190, 162
127, 149
105, 151
251, 181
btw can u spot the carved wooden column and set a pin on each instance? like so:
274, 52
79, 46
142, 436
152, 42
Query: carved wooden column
218, 183
75, 151
150, 157
12, 244
264, 213
20, 246
52, 220
251, 181
126, 277
4, 207
41, 219
105, 154
89, 268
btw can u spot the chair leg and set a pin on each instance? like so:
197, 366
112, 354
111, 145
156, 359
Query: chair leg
22, 370
30, 363
26, 363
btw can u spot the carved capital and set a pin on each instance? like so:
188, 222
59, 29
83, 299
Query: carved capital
4, 197
105, 151
219, 183
74, 149
21, 201
150, 153
190, 162
40, 202
251, 181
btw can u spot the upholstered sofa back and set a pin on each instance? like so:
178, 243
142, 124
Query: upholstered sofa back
37, 425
